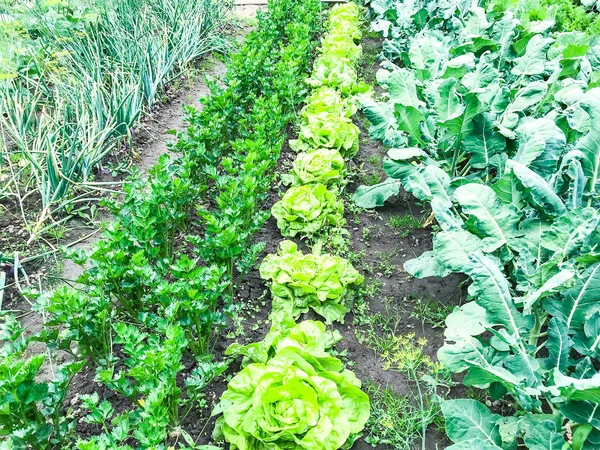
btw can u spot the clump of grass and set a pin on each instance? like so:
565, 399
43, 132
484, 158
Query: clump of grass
385, 263
402, 225
431, 312
394, 419
369, 179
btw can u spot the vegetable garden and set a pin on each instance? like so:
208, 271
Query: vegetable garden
381, 228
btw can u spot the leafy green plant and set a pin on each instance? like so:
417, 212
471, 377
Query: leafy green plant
299, 282
308, 210
309, 336
296, 396
328, 130
488, 137
326, 99
32, 412
324, 166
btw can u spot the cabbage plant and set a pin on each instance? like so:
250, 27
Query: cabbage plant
325, 166
293, 401
322, 282
307, 210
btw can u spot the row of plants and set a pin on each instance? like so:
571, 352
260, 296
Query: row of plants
492, 120
292, 391
76, 77
160, 285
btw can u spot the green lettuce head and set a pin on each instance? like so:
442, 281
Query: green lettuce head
324, 283
327, 130
329, 70
345, 17
307, 210
326, 99
309, 336
325, 166
292, 402
342, 46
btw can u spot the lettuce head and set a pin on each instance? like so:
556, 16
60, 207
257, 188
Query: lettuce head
308, 210
292, 401
322, 282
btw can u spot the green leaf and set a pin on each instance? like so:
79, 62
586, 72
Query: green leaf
580, 301
590, 144
447, 103
452, 248
582, 412
483, 142
408, 119
468, 419
425, 266
533, 62
540, 194
558, 344
524, 99
553, 284
470, 318
543, 436
463, 124
373, 196
495, 220
540, 140
478, 80
383, 123
473, 444
569, 232
402, 86
429, 182
492, 291
580, 436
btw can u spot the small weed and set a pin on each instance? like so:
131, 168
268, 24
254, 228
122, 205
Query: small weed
394, 419
57, 232
366, 233
374, 160
366, 66
356, 258
385, 264
431, 312
371, 288
402, 225
369, 179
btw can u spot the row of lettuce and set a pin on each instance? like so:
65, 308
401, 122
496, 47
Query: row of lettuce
158, 288
292, 390
492, 119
